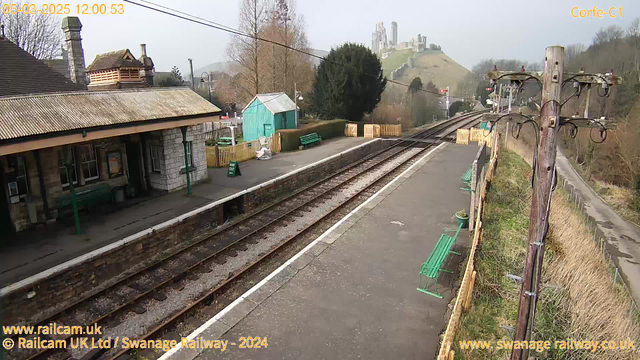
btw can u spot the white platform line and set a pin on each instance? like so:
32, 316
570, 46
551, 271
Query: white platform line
257, 286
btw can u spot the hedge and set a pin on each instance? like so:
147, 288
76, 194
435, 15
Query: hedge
326, 129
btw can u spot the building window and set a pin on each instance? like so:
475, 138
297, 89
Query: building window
88, 162
21, 176
189, 154
156, 156
64, 180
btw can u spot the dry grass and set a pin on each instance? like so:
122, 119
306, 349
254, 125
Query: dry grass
621, 199
598, 311
578, 300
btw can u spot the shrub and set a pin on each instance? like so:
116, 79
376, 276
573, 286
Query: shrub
326, 129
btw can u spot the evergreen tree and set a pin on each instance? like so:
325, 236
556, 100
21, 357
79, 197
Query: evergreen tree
175, 72
174, 78
348, 83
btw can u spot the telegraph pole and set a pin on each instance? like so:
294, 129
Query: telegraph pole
544, 173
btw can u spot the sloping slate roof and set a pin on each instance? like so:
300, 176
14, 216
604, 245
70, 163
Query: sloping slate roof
22, 116
275, 102
112, 60
21, 73
61, 66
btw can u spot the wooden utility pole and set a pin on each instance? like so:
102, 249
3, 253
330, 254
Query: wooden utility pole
541, 200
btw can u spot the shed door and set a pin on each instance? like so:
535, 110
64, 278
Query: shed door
268, 130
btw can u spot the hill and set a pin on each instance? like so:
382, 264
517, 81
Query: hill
231, 69
222, 66
429, 65
317, 52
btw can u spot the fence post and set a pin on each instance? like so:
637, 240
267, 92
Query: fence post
469, 294
473, 187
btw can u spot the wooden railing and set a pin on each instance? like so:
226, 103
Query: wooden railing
222, 156
465, 294
390, 130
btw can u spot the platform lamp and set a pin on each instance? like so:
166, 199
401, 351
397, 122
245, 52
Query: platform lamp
67, 154
208, 83
297, 95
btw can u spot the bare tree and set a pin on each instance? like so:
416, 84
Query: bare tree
266, 66
633, 34
286, 66
611, 33
38, 34
245, 51
572, 52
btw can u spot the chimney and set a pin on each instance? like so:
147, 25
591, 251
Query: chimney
147, 72
71, 27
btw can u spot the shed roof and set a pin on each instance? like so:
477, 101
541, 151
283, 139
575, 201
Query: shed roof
276, 102
114, 60
22, 116
22, 73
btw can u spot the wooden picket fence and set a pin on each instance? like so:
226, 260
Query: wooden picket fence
351, 130
371, 131
276, 143
390, 130
222, 156
465, 294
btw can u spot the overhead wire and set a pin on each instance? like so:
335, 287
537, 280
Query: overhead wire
201, 21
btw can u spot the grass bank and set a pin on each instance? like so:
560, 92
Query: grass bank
622, 200
578, 299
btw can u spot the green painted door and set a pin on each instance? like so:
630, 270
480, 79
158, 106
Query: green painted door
268, 130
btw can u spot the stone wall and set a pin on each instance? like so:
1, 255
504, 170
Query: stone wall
174, 167
99, 271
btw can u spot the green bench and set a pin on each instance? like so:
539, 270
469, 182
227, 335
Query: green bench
225, 140
84, 199
433, 266
310, 139
466, 178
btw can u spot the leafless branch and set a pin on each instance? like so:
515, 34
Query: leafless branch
38, 34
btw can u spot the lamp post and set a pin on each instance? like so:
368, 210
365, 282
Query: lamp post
193, 85
208, 83
297, 95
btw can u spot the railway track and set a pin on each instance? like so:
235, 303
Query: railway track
155, 301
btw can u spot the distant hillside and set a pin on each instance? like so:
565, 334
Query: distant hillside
317, 52
230, 68
223, 66
429, 65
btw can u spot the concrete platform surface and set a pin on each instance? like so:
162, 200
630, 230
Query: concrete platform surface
352, 293
29, 252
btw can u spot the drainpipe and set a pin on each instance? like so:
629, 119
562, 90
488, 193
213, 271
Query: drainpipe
186, 157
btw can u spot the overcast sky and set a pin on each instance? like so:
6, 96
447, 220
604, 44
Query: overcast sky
468, 31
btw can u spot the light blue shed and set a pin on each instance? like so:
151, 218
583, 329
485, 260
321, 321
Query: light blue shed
267, 113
